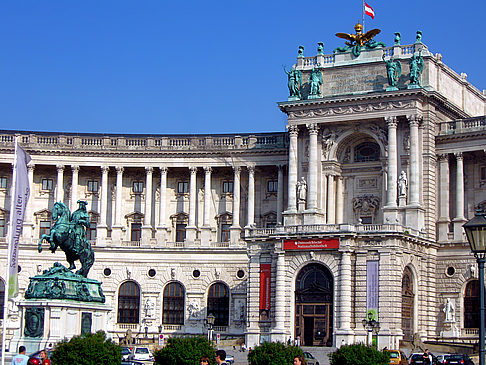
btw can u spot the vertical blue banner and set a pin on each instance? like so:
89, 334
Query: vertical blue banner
372, 289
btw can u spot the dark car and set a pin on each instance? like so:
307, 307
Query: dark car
418, 359
459, 359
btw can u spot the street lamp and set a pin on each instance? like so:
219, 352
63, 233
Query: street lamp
371, 326
210, 322
476, 235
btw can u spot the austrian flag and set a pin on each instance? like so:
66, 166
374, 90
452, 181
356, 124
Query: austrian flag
369, 11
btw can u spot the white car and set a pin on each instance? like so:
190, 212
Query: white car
141, 354
230, 359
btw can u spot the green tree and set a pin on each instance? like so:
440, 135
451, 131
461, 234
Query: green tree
87, 349
185, 351
273, 353
359, 355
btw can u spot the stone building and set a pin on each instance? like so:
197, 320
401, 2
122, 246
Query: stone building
357, 210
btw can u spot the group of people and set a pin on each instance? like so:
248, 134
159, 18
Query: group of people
219, 357
22, 359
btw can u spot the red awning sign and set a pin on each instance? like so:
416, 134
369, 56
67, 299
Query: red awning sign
324, 244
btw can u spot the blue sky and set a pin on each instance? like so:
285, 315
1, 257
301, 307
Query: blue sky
165, 67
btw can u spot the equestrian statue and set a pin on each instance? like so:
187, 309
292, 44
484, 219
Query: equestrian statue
69, 234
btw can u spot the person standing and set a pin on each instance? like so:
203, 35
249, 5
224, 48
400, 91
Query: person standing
21, 358
299, 360
45, 358
220, 357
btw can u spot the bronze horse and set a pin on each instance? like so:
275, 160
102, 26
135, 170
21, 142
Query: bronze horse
63, 235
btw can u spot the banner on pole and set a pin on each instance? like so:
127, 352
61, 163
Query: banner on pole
372, 289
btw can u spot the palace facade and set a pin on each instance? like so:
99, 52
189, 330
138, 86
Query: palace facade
357, 210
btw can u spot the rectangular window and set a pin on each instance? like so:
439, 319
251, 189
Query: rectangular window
91, 232
227, 186
2, 228
272, 186
182, 187
44, 228
47, 184
3, 182
180, 232
92, 186
136, 233
138, 187
225, 232
483, 173
366, 220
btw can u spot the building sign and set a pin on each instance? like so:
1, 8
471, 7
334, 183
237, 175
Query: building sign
372, 288
265, 280
323, 244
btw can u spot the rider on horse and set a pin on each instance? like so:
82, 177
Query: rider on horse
80, 219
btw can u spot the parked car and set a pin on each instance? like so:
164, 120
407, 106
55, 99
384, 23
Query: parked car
141, 353
129, 362
310, 359
418, 358
397, 357
458, 359
126, 352
230, 359
442, 358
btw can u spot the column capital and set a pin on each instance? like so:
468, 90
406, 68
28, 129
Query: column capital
237, 169
60, 168
391, 121
313, 128
105, 169
414, 119
193, 170
293, 130
208, 169
149, 170
458, 155
163, 169
119, 169
75, 168
281, 167
30, 166
443, 157
251, 169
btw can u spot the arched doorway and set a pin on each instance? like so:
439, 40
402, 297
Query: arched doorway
314, 306
407, 304
471, 305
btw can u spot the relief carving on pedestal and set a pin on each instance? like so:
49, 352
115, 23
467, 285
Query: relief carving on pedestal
365, 204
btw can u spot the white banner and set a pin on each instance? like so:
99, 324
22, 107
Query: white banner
20, 196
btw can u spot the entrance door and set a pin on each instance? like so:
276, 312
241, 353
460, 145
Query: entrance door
313, 306
407, 304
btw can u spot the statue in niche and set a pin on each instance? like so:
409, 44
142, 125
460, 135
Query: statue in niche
294, 83
402, 184
416, 68
449, 311
149, 308
315, 81
193, 308
393, 72
302, 190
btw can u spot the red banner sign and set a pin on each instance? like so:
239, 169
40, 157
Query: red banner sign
324, 244
265, 280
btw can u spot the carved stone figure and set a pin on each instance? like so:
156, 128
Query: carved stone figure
366, 204
398, 38
418, 38
449, 311
416, 68
402, 184
320, 48
302, 190
194, 309
301, 51
149, 308
69, 233
315, 80
34, 322
393, 72
294, 83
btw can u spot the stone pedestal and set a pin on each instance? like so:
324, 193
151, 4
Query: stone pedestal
191, 234
146, 235
205, 236
117, 234
415, 217
292, 218
235, 236
313, 216
161, 235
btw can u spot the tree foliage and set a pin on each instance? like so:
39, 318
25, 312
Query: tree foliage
87, 349
185, 351
273, 353
359, 355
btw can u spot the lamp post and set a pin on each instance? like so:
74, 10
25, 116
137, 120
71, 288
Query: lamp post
476, 235
371, 326
210, 322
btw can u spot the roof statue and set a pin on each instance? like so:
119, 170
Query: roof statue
294, 83
359, 40
393, 72
416, 68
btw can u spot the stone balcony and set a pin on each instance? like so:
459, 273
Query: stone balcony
461, 126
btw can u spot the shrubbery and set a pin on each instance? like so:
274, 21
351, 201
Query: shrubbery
273, 353
87, 349
359, 355
185, 351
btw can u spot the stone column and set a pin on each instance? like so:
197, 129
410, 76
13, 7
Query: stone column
280, 295
206, 228
251, 196
60, 183
312, 170
235, 229
117, 233
392, 162
414, 121
147, 222
345, 292
292, 183
161, 234
340, 200
74, 187
324, 197
28, 230
331, 205
280, 188
459, 218
444, 218
191, 228
102, 229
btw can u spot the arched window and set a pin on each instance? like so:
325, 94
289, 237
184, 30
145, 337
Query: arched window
129, 303
408, 297
173, 304
471, 305
367, 151
2, 297
218, 304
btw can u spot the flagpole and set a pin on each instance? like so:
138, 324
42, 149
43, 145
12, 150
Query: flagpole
363, 10
9, 238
